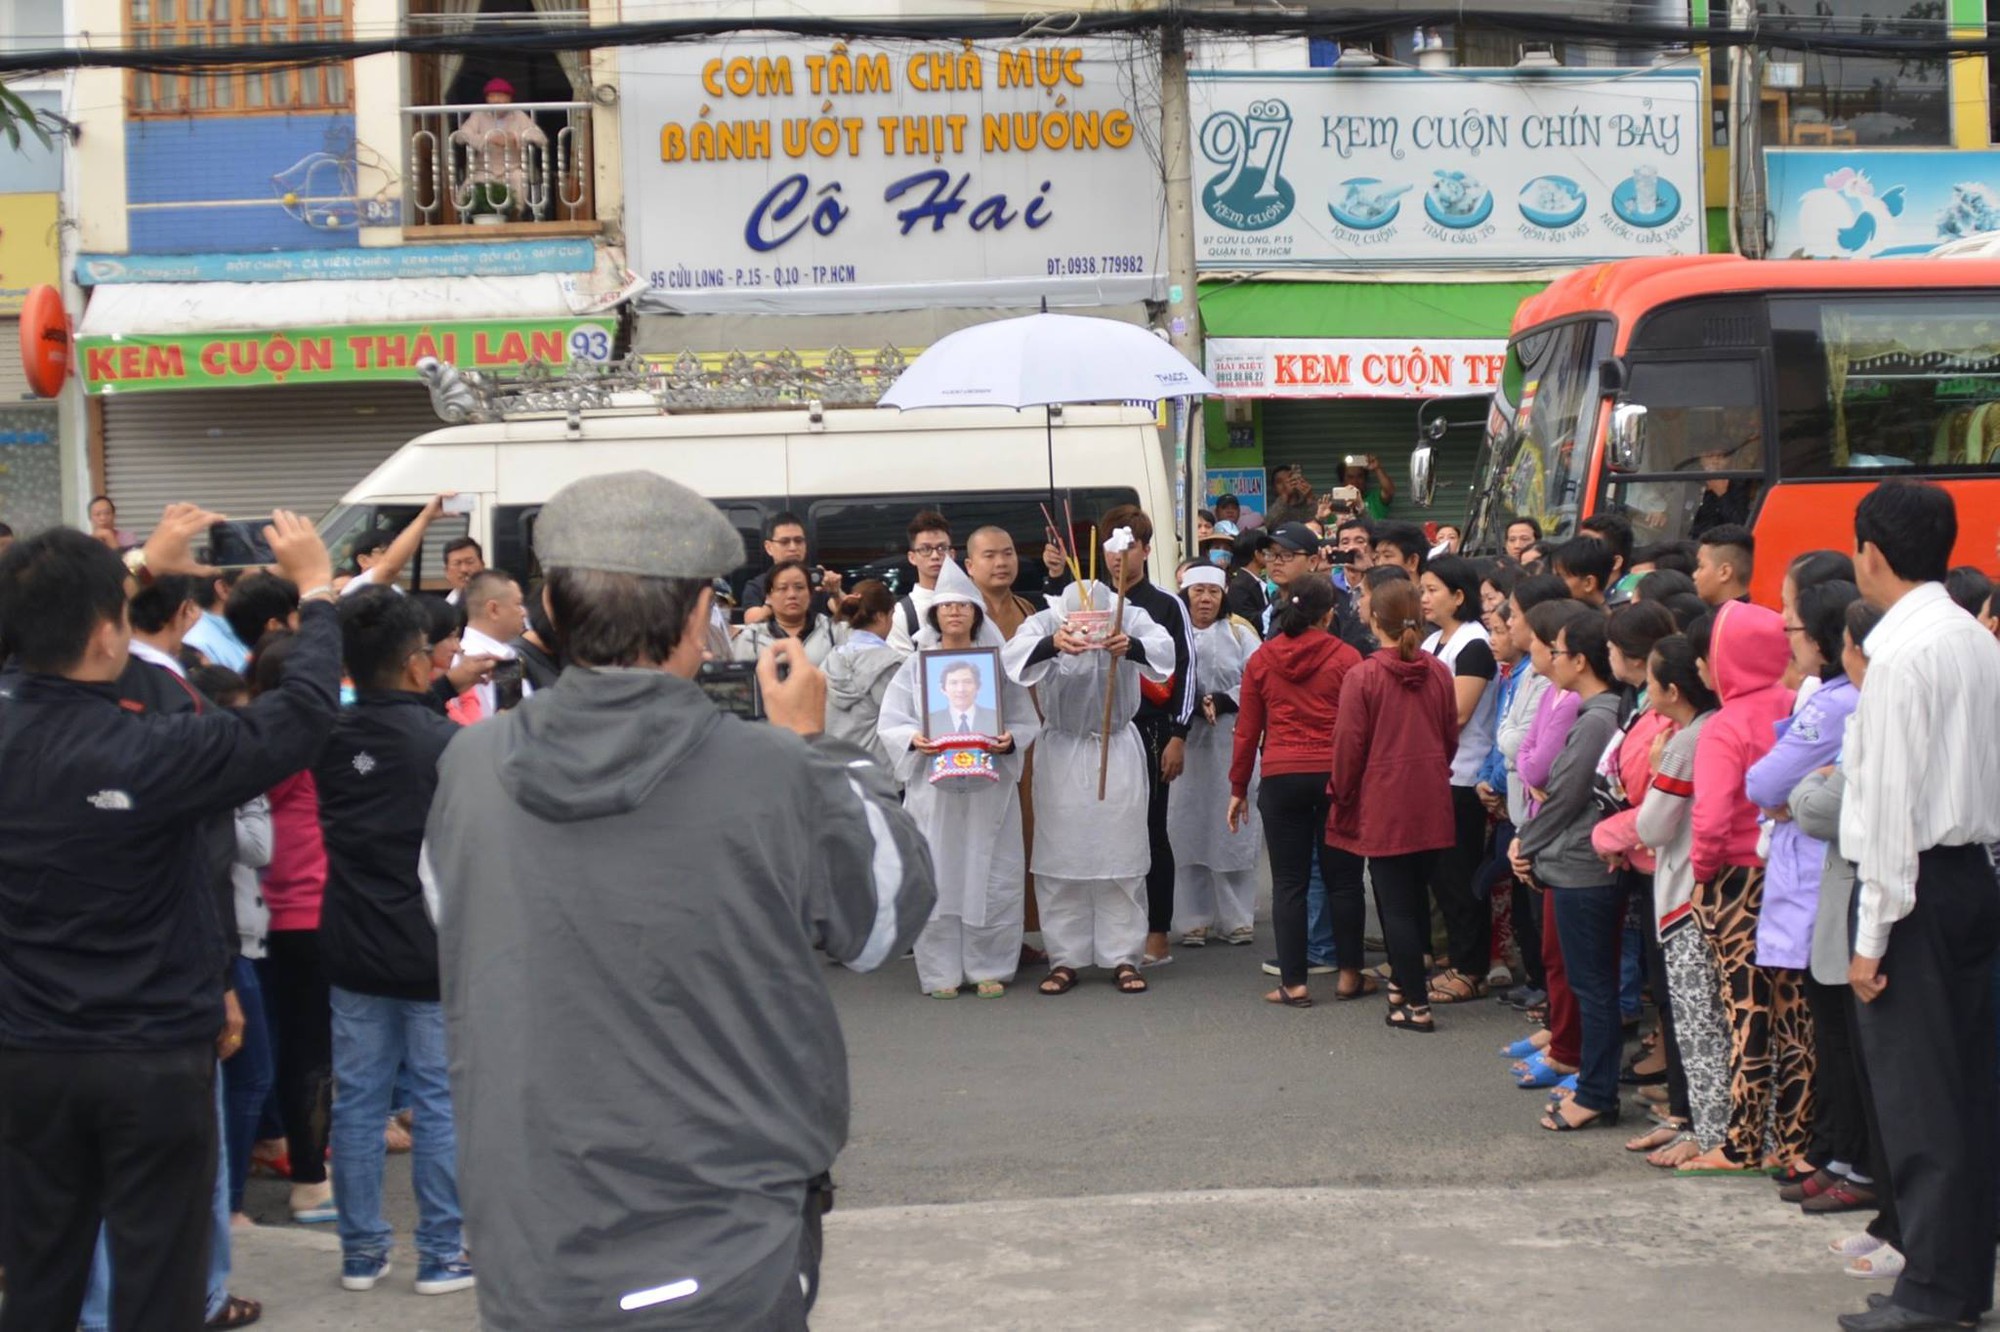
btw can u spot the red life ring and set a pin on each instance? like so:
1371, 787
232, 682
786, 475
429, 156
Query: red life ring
46, 350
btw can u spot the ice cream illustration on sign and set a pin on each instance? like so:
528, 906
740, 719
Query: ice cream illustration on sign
1552, 201
1366, 203
1847, 219
1458, 200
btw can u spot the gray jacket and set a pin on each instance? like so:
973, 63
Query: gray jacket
1557, 836
646, 1066
1815, 806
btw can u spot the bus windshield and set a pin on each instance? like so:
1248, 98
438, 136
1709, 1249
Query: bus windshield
1535, 459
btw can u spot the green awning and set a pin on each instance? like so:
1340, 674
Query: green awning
1361, 309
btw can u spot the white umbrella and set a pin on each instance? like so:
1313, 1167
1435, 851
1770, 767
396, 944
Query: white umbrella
1041, 359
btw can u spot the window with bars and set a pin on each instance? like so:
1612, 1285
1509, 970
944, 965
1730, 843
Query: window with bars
244, 89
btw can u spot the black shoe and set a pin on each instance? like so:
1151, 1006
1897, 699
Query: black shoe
1892, 1317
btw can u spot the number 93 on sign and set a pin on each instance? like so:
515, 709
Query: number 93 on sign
590, 343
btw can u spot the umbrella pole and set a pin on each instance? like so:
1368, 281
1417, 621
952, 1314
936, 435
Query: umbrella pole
1049, 434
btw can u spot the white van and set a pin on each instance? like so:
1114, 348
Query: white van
856, 477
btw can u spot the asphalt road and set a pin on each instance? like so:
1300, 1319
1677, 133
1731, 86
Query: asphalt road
1194, 1158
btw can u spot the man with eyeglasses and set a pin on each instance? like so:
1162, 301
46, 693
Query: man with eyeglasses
785, 539
930, 547
1293, 551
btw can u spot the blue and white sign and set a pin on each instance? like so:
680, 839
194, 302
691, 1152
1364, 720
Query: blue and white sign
795, 175
1858, 203
501, 259
1388, 167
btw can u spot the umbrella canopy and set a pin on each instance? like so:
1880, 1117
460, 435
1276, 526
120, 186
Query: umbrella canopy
1041, 359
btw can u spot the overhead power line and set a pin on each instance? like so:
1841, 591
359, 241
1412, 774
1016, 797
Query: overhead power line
1906, 40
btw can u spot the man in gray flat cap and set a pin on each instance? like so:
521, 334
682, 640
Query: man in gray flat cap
648, 1075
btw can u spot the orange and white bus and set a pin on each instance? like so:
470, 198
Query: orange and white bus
1690, 392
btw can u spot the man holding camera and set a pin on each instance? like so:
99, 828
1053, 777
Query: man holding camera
630, 887
1362, 473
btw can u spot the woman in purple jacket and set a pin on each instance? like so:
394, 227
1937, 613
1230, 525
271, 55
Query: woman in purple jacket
1809, 742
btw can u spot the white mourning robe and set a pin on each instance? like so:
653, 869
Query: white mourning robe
974, 831
1215, 870
1079, 839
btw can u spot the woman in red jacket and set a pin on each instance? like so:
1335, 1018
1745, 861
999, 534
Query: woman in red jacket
1291, 698
1391, 787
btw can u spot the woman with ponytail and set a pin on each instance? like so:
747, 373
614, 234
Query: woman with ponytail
1391, 786
1292, 687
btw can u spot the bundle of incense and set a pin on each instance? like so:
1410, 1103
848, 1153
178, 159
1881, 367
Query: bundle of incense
1115, 547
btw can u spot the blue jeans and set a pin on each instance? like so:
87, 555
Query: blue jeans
247, 1076
1632, 963
96, 1315
372, 1038
1590, 922
1319, 924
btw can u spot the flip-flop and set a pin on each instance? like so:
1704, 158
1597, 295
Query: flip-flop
1525, 1048
944, 994
991, 989
1368, 986
1147, 960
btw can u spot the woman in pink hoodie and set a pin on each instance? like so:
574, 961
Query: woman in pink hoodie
1770, 1054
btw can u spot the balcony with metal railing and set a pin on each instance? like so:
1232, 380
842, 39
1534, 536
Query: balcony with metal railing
518, 166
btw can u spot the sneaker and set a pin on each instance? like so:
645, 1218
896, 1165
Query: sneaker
435, 1278
1528, 999
363, 1271
1312, 968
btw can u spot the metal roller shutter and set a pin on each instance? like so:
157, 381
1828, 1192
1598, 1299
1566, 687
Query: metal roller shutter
1317, 433
13, 380
246, 451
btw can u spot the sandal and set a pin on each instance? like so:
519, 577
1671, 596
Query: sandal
991, 989
1195, 938
1653, 1139
944, 994
1554, 1122
1410, 1019
1684, 1148
236, 1313
1366, 986
1281, 995
1716, 1164
1455, 987
1129, 981
1060, 980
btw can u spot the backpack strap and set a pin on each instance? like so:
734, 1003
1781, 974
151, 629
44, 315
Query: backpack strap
910, 621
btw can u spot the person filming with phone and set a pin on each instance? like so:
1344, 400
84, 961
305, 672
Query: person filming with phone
630, 888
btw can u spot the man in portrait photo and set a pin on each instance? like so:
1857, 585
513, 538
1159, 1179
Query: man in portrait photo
961, 681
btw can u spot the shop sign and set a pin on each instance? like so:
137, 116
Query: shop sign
498, 259
1246, 483
1355, 367
1847, 203
330, 355
1326, 168
28, 257
795, 175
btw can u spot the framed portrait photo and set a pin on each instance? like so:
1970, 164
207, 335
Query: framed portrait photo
962, 693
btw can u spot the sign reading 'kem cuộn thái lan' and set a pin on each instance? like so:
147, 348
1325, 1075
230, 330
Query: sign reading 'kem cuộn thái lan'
330, 355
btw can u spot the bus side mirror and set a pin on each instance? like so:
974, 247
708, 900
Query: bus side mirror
1628, 437
1423, 481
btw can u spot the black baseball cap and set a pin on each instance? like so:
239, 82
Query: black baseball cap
1295, 537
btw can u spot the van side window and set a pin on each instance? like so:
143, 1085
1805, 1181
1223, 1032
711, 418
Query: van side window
748, 520
514, 541
868, 537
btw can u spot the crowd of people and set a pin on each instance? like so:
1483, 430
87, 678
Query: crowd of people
1594, 782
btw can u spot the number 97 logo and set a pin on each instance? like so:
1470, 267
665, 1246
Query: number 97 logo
589, 343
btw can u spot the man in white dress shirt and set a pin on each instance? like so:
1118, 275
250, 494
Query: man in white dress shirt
1922, 759
495, 615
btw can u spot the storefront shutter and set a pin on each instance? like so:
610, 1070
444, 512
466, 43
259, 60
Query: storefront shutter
246, 451
1317, 433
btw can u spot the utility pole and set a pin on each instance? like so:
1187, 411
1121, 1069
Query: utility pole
1183, 311
1746, 135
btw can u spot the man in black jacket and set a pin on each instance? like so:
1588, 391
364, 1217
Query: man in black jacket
111, 952
376, 777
